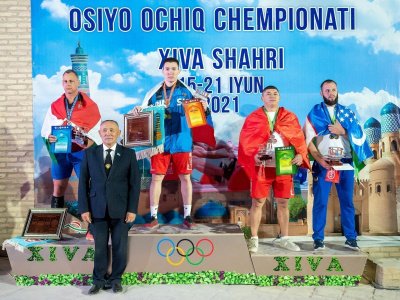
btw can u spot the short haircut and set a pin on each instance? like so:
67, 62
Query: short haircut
270, 87
113, 121
328, 81
170, 60
69, 71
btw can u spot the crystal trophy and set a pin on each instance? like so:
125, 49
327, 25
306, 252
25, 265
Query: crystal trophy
264, 154
335, 154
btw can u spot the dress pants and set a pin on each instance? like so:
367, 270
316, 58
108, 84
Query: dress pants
321, 189
118, 229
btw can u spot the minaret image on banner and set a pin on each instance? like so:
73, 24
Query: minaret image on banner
79, 65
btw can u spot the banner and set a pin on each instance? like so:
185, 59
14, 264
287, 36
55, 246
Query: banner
229, 49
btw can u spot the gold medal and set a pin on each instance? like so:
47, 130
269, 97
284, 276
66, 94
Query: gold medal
108, 166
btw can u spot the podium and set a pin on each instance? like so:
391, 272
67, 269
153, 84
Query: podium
209, 253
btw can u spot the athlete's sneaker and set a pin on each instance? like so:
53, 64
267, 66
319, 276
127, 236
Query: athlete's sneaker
252, 244
352, 244
153, 223
319, 245
285, 243
188, 222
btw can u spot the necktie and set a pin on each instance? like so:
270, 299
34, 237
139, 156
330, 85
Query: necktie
108, 162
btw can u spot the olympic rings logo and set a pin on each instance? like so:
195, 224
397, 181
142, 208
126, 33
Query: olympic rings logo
185, 248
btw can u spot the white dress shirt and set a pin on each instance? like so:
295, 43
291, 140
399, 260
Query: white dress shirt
112, 153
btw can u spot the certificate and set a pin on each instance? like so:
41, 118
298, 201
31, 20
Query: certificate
138, 130
283, 157
194, 113
44, 223
343, 167
64, 138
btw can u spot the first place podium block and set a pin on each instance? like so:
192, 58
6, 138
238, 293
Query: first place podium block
170, 248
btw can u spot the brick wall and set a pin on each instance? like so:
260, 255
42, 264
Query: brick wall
16, 126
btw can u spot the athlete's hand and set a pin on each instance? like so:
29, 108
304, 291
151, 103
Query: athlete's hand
297, 160
324, 164
136, 110
336, 128
204, 103
52, 138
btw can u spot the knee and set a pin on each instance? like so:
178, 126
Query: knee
59, 187
185, 178
257, 203
282, 203
157, 178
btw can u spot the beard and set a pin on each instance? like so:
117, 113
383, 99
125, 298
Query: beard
329, 102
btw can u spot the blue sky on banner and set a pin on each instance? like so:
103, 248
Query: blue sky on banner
124, 65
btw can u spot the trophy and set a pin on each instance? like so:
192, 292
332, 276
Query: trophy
335, 154
80, 138
264, 154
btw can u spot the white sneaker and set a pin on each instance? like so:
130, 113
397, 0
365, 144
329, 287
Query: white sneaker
252, 244
286, 244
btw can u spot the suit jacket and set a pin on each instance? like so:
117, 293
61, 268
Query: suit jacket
119, 192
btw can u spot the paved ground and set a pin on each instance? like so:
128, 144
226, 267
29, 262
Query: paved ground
8, 290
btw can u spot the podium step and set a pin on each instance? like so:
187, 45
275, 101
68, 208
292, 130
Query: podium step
334, 260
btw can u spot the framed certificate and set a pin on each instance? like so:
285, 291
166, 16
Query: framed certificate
44, 223
64, 139
283, 157
138, 130
194, 113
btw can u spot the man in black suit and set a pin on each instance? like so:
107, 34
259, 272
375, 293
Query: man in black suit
108, 196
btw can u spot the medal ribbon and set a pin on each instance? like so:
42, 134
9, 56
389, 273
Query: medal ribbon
168, 99
333, 120
333, 117
70, 110
271, 122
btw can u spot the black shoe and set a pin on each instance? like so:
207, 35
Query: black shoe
152, 224
107, 286
352, 244
117, 287
319, 245
188, 222
94, 289
57, 202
